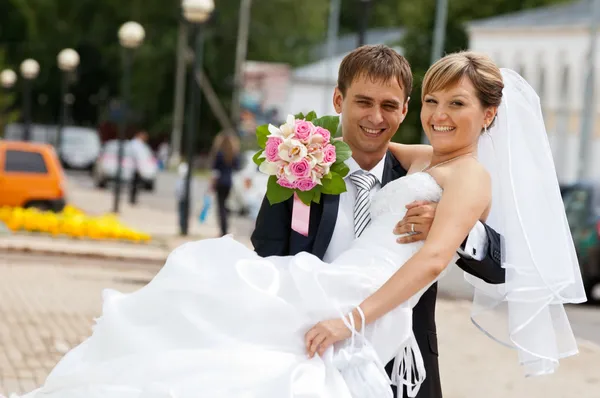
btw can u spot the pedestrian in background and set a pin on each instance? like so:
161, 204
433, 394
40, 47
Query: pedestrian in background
226, 159
180, 193
138, 145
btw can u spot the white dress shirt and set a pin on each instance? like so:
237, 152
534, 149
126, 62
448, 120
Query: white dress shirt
343, 233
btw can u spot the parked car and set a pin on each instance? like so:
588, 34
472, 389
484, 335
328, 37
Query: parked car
31, 176
105, 169
248, 189
582, 206
79, 149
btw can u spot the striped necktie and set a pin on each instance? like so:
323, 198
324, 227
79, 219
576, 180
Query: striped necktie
363, 182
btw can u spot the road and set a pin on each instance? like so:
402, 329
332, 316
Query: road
162, 198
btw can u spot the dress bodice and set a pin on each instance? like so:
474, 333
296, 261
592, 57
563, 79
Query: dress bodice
389, 206
392, 199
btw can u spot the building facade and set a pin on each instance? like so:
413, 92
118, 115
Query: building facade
549, 47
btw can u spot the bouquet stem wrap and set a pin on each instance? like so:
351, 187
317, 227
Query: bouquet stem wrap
300, 216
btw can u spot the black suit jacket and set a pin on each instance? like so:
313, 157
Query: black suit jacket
273, 236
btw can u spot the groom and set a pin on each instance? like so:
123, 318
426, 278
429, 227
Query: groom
374, 83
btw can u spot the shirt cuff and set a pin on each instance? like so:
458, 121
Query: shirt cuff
476, 243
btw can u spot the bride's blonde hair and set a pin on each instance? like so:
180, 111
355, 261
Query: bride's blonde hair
479, 68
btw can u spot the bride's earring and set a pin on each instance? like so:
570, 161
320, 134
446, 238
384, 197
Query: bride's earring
485, 129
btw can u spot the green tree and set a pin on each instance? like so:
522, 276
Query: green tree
281, 31
419, 19
8, 113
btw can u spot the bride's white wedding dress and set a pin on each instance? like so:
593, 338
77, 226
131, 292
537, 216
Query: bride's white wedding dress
220, 321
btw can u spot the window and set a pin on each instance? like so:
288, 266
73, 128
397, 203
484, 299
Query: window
24, 162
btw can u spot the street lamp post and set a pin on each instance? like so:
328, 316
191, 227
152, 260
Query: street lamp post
196, 12
30, 69
365, 11
131, 35
240, 58
68, 61
8, 78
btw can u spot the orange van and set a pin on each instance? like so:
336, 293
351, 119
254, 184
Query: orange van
31, 176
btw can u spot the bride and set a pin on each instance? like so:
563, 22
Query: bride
220, 321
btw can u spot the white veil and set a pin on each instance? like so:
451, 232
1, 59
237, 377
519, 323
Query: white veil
538, 254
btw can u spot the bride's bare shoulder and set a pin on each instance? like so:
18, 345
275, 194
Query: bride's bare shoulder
409, 155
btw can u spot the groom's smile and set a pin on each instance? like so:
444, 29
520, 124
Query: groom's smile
373, 133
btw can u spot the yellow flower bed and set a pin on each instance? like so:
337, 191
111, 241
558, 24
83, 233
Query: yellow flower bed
71, 222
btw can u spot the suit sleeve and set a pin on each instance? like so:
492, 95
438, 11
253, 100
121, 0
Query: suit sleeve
489, 269
271, 235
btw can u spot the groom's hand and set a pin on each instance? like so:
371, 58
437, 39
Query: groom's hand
416, 222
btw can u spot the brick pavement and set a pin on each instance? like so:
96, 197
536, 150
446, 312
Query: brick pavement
48, 305
48, 308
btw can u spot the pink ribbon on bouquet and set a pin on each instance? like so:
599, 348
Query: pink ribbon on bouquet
300, 216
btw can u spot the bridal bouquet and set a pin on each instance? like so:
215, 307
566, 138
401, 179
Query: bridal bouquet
302, 158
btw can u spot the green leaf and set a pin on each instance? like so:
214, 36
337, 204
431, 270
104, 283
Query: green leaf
317, 196
342, 151
335, 186
328, 176
328, 123
276, 193
311, 116
299, 115
338, 132
305, 196
340, 168
262, 132
257, 159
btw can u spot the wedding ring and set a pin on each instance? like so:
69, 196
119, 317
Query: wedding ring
412, 228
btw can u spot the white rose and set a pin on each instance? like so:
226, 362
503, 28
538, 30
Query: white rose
292, 150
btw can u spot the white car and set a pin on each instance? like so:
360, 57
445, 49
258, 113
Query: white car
79, 149
105, 169
248, 189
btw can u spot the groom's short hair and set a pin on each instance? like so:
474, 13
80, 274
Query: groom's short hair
377, 62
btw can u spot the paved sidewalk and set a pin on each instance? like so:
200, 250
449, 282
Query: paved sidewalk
47, 308
474, 366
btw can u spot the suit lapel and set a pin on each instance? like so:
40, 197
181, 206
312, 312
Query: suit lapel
392, 169
331, 205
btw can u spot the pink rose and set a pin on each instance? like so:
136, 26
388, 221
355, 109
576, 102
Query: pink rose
272, 149
324, 133
303, 130
284, 182
329, 154
300, 169
305, 184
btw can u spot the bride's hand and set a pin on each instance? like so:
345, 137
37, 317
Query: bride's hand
324, 334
